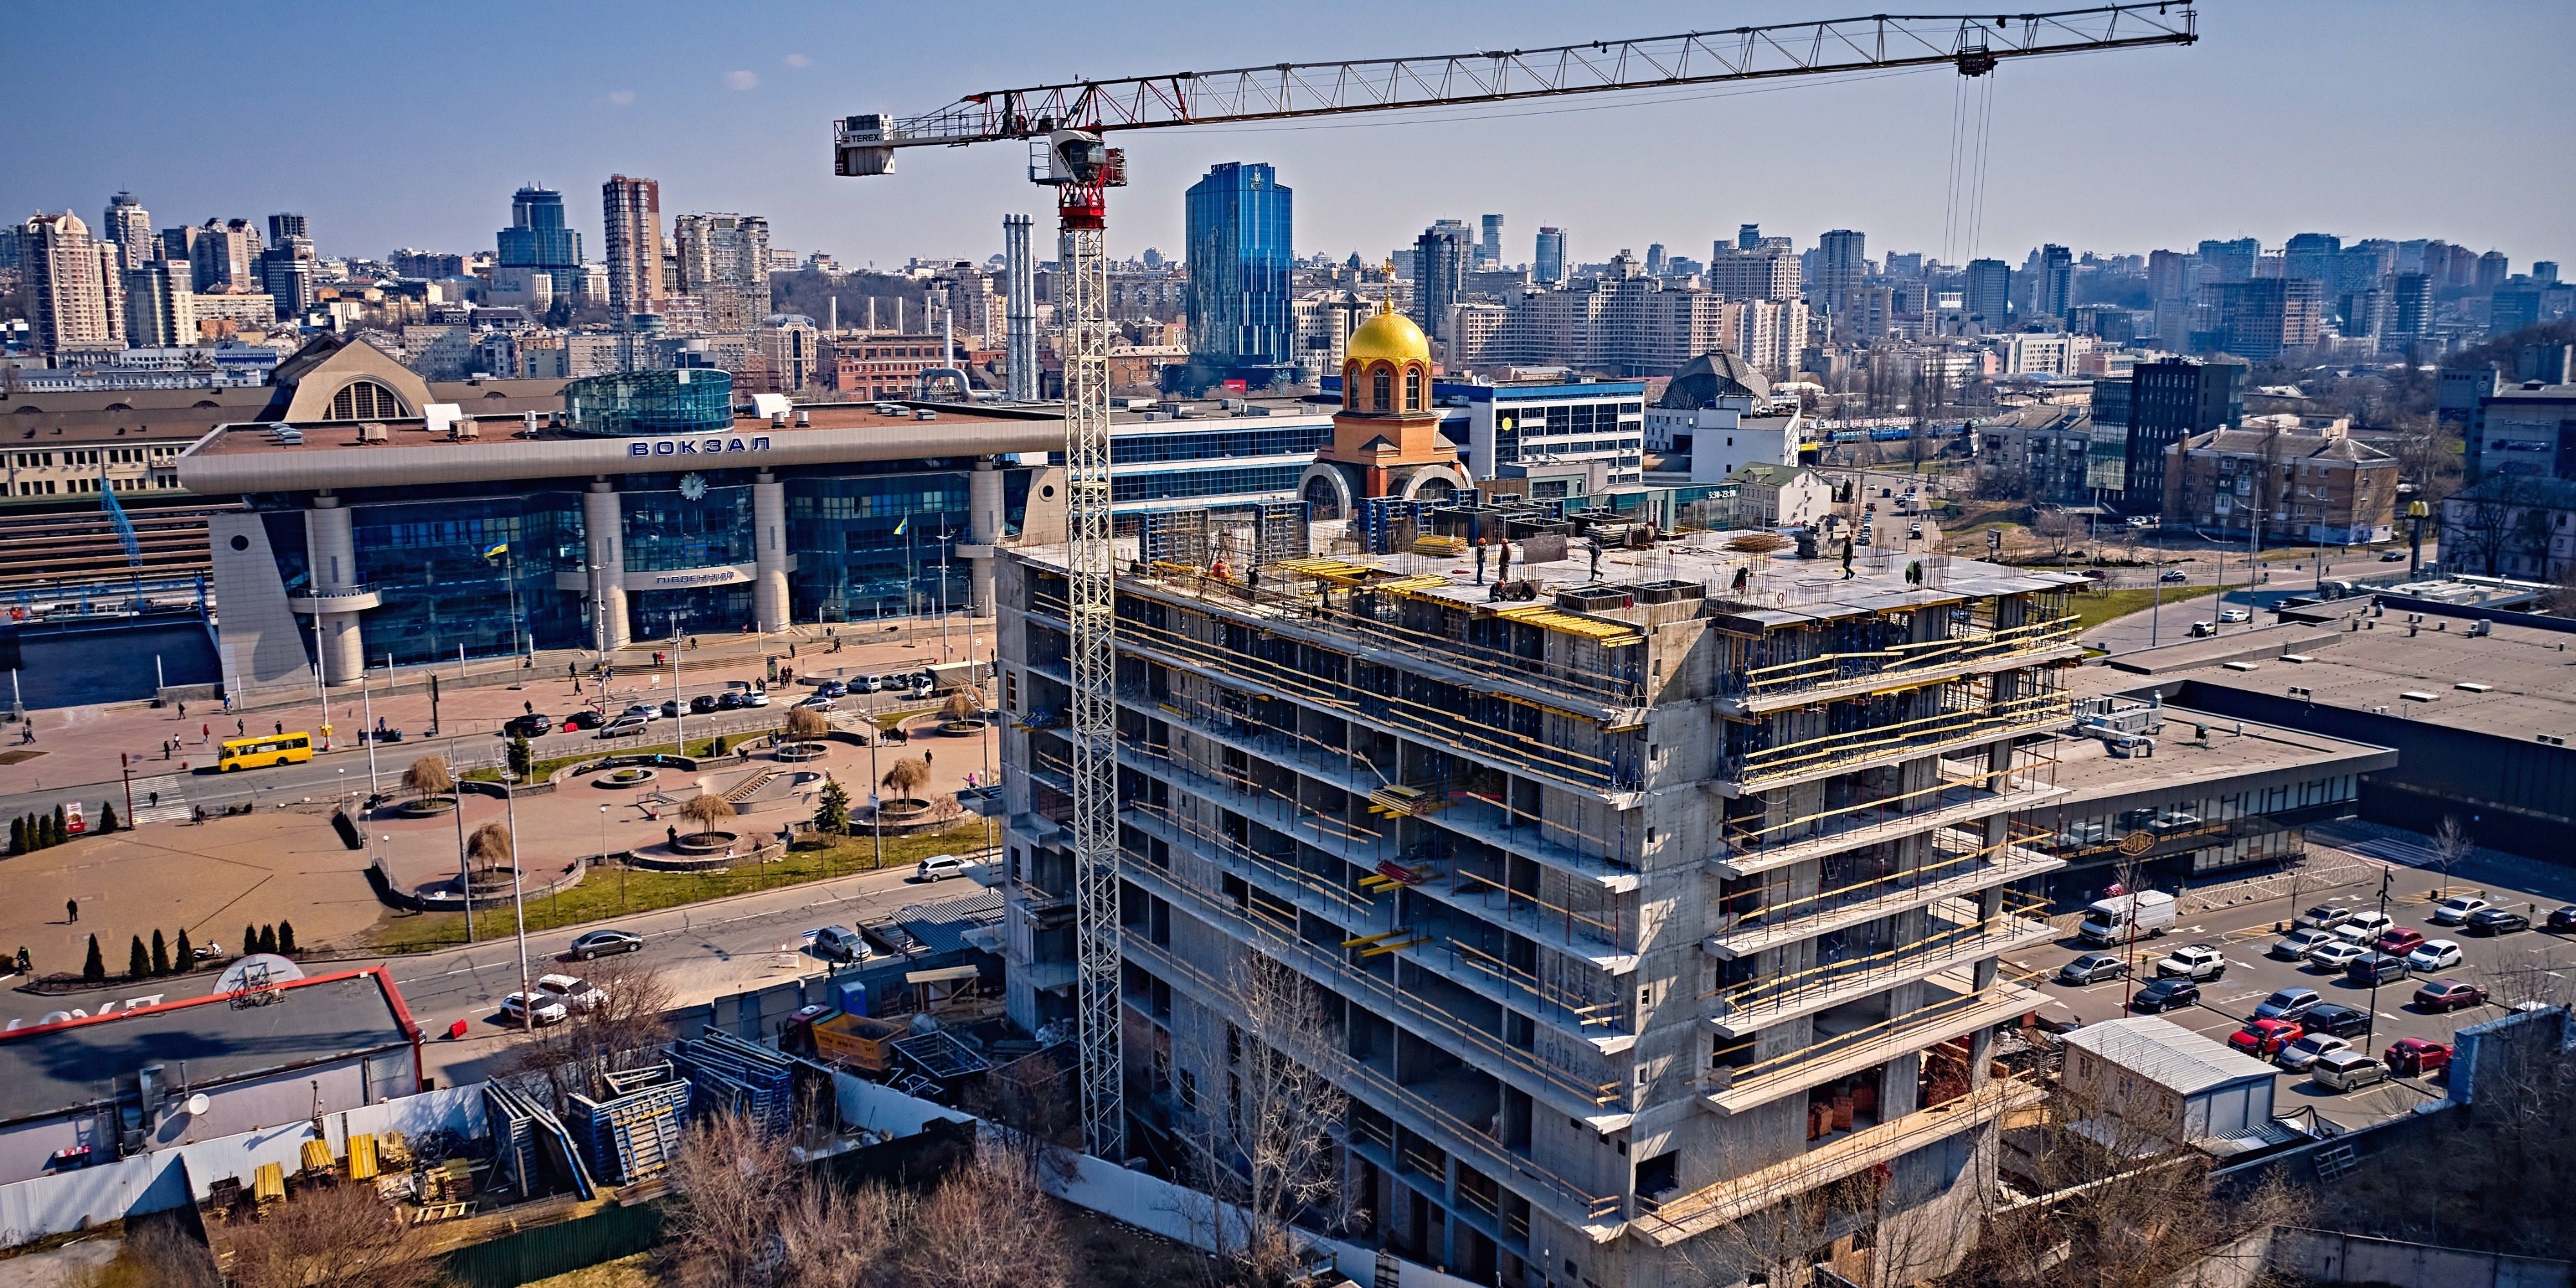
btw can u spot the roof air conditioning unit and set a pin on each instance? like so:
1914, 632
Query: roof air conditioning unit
373, 431
464, 428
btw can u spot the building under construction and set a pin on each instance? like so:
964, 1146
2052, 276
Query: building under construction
1646, 883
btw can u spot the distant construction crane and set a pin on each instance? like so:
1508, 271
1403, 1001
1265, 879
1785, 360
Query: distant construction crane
1064, 125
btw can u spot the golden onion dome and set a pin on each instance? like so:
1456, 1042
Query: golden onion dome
1390, 337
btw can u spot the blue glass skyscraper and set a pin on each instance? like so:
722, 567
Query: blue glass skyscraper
1237, 243
537, 238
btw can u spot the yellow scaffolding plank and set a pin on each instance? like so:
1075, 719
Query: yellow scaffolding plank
317, 1156
1405, 585
268, 1183
362, 1157
1606, 634
1383, 949
1382, 936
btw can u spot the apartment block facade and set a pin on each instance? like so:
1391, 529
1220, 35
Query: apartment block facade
1628, 914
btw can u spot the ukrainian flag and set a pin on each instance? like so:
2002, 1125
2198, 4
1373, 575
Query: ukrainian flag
900, 524
497, 551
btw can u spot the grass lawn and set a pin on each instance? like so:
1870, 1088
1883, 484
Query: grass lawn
610, 892
2092, 610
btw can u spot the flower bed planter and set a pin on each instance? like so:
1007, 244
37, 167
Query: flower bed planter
962, 728
699, 843
795, 752
425, 806
629, 776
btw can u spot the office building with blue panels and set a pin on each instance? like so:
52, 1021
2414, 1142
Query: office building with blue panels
1237, 225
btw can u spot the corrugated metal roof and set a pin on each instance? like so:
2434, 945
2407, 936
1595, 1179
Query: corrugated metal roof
2167, 1054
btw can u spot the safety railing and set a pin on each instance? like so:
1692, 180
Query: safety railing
1953, 788
1955, 868
1780, 1074
1922, 736
1455, 731
1826, 670
1771, 997
1367, 1084
1524, 909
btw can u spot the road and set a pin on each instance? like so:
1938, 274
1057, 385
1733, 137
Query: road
702, 951
2527, 960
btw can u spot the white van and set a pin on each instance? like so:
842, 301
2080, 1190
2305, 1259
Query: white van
2107, 921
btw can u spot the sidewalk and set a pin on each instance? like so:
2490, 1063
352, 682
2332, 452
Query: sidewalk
78, 746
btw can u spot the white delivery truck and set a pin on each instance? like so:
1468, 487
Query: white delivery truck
2107, 921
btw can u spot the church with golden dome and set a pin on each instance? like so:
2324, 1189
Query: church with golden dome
1386, 437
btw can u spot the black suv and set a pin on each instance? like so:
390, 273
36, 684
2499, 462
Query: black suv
2495, 921
2334, 1018
2377, 968
532, 725
2163, 995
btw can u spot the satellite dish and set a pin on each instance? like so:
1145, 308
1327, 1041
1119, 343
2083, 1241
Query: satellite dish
198, 1104
236, 977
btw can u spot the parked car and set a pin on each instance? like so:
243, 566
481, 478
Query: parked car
2164, 995
2325, 916
531, 725
2496, 921
2092, 968
2289, 1004
606, 943
2392, 556
573, 991
2336, 1018
2377, 968
868, 683
2449, 995
755, 698
2296, 945
580, 720
2172, 576
644, 710
2399, 941
2232, 616
939, 867
2198, 962
2416, 1057
624, 725
671, 709
2201, 630
2265, 1038
2433, 954
518, 1009
816, 703
832, 689
2371, 924
703, 704
730, 700
2297, 1056
841, 944
2456, 909
2346, 1070
2334, 957
2563, 918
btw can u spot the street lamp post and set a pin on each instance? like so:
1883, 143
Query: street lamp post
367, 708
464, 864
2416, 513
2370, 1037
603, 854
518, 905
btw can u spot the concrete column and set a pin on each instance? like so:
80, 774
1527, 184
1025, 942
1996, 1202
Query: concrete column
984, 528
603, 522
769, 550
332, 554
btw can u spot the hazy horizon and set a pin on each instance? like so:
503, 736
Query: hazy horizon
2363, 120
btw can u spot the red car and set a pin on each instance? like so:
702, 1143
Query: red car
2449, 995
2416, 1057
2265, 1038
2400, 941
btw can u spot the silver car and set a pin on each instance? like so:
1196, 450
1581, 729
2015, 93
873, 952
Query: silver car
2346, 1070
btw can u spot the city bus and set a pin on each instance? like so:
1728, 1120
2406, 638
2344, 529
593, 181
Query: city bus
264, 750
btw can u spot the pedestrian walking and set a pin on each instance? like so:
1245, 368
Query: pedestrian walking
183, 710
925, 760
238, 730
281, 726
71, 911
672, 834
529, 708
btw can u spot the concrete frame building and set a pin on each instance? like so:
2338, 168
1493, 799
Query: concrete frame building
1628, 915
128, 226
631, 218
724, 259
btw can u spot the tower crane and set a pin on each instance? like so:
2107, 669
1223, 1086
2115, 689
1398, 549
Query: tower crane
1065, 125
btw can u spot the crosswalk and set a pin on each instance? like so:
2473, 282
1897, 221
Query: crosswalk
2391, 850
171, 805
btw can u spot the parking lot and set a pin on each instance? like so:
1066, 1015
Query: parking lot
2509, 966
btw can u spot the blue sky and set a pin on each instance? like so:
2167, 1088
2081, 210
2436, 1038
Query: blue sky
410, 125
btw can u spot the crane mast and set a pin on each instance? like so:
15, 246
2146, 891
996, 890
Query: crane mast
1064, 124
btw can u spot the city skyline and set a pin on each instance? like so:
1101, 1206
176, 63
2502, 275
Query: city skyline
729, 124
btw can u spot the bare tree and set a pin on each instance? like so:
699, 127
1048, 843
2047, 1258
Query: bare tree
332, 1237
2451, 843
2488, 529
834, 1238
625, 1031
429, 777
733, 1179
706, 809
805, 724
156, 1253
490, 846
1267, 1147
2058, 528
961, 705
908, 776
988, 1225
1028, 1099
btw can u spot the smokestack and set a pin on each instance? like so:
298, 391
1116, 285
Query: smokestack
1020, 342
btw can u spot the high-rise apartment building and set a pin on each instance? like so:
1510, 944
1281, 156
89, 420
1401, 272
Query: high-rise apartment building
1989, 293
1489, 250
1655, 259
2256, 320
1440, 257
2312, 256
1840, 265
128, 227
2493, 268
225, 259
1547, 259
1759, 273
2410, 315
2055, 290
286, 271
160, 309
281, 227
2169, 401
1747, 236
1237, 231
724, 261
64, 278
538, 238
631, 215
1557, 934
2229, 261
